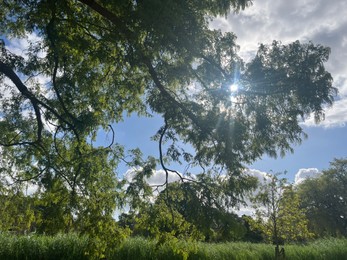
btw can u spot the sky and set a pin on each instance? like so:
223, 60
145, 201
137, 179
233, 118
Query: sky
319, 21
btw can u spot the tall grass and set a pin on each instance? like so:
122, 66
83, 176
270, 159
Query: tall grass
139, 248
76, 247
61, 246
319, 250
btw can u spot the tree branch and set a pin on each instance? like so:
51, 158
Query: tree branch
36, 103
25, 92
107, 14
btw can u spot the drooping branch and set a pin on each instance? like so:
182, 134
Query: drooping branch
113, 136
26, 93
147, 62
171, 99
161, 158
162, 134
36, 103
19, 180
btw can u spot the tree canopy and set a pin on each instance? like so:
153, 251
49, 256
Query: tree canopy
324, 199
279, 213
89, 63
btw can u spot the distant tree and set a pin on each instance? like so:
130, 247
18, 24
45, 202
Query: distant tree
293, 222
254, 233
267, 205
325, 200
278, 212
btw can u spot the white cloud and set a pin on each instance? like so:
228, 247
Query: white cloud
158, 177
20, 46
322, 22
335, 116
30, 189
261, 176
249, 209
306, 173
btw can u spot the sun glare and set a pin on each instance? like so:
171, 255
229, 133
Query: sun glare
234, 87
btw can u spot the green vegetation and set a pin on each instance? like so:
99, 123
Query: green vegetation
87, 65
279, 214
325, 200
75, 247
56, 247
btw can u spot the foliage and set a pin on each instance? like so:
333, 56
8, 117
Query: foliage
17, 212
174, 211
254, 233
293, 222
54, 208
324, 199
162, 222
278, 212
215, 221
158, 57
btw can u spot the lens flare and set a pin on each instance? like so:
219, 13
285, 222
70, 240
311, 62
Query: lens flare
234, 87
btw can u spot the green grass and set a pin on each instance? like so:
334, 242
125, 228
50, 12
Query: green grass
319, 250
139, 248
66, 247
73, 246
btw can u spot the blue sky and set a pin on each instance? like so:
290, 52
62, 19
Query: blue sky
315, 152
321, 147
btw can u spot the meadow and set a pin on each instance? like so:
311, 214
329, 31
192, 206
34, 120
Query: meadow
72, 246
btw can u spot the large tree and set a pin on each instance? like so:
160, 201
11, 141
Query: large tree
100, 60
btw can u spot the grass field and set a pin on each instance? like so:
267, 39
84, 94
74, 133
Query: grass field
139, 248
76, 247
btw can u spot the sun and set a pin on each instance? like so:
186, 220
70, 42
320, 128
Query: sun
234, 87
